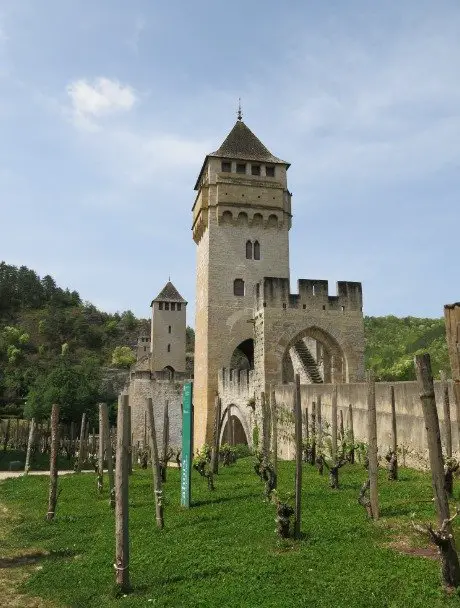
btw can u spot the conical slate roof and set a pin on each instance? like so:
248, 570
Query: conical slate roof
242, 143
169, 294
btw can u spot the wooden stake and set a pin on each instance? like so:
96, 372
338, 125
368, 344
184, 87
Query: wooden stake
100, 464
334, 425
108, 452
121, 496
82, 443
444, 537
52, 498
446, 407
274, 417
392, 457
165, 446
215, 442
352, 433
30, 444
155, 466
298, 457
372, 439
130, 442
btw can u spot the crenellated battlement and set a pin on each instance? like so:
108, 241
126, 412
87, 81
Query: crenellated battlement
312, 294
235, 381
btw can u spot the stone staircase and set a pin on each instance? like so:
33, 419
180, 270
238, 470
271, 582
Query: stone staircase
308, 361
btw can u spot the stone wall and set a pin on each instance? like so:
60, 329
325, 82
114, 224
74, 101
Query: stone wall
143, 386
410, 423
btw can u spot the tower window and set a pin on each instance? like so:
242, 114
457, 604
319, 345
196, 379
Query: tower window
160, 305
169, 348
179, 306
226, 166
248, 250
241, 168
256, 250
238, 287
169, 329
173, 306
255, 169
166, 305
270, 171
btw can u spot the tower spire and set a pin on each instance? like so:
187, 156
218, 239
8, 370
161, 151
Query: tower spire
239, 113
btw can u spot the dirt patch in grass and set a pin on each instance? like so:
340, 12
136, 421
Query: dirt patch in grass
405, 546
15, 567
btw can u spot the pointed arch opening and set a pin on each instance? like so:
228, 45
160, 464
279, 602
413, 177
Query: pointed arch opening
256, 250
243, 355
248, 250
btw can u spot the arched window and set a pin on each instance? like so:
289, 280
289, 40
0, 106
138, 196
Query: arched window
256, 250
238, 287
248, 250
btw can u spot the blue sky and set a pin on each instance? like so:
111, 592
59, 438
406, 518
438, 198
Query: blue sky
107, 108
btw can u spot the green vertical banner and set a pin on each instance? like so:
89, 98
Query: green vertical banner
187, 445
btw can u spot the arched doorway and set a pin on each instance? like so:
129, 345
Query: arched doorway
232, 430
316, 356
169, 372
243, 355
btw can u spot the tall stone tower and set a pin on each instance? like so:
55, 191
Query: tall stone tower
168, 330
241, 221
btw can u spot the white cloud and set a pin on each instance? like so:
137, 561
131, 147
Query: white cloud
103, 97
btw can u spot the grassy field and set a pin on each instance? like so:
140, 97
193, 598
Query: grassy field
223, 551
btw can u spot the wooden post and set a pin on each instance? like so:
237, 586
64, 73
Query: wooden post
215, 442
274, 417
30, 443
100, 464
52, 498
7, 434
130, 442
313, 434
155, 466
334, 425
319, 422
372, 439
121, 496
352, 433
108, 452
443, 538
81, 447
298, 457
165, 446
341, 427
446, 408
392, 457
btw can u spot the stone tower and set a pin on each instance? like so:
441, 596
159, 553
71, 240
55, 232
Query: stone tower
168, 330
241, 221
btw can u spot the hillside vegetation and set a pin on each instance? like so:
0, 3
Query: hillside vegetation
50, 339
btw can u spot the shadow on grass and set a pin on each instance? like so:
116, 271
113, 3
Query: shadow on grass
222, 499
28, 559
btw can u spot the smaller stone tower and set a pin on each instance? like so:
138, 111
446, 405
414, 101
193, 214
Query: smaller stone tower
168, 330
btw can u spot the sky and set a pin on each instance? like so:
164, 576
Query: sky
108, 108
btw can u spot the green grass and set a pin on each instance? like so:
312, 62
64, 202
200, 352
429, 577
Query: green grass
224, 551
40, 462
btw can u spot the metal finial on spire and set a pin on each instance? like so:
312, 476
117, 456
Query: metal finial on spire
169, 278
239, 113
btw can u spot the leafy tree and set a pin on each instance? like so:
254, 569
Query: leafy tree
76, 388
123, 356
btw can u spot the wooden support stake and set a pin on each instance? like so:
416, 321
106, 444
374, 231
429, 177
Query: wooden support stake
81, 446
165, 446
215, 441
274, 417
108, 453
298, 457
446, 408
352, 433
52, 498
30, 444
443, 538
334, 425
155, 466
130, 440
392, 457
100, 464
121, 496
372, 439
